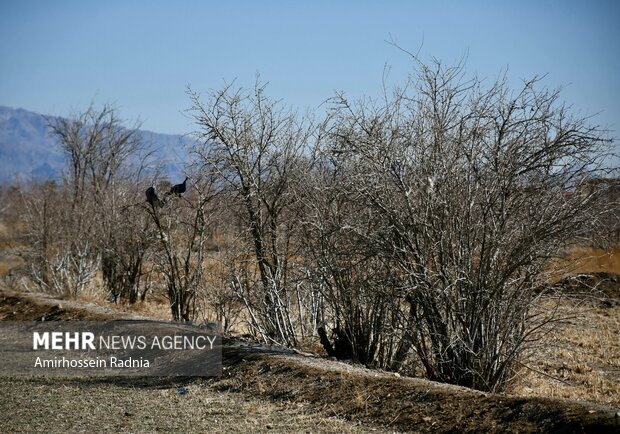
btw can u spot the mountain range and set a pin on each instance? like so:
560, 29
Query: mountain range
29, 152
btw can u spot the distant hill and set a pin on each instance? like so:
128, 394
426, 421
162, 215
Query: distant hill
29, 152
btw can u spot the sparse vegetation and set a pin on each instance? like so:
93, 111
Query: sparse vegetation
419, 232
463, 192
287, 392
60, 406
256, 150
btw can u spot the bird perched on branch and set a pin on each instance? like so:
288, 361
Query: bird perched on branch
178, 189
152, 198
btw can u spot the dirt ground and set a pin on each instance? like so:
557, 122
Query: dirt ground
145, 406
268, 390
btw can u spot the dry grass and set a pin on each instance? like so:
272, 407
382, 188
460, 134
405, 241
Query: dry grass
8, 246
580, 359
589, 260
60, 406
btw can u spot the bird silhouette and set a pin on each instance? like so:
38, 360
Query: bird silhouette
178, 189
152, 198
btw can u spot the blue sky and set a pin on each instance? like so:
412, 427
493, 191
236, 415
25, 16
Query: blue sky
58, 56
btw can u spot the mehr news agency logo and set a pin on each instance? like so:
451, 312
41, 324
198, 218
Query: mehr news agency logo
89, 342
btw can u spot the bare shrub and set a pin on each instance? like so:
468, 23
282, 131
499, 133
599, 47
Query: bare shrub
256, 149
220, 301
91, 220
181, 229
359, 309
69, 273
473, 185
124, 253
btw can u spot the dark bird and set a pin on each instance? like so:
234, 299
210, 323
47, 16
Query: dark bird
152, 198
178, 189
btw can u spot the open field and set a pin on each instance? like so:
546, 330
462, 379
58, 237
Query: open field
269, 389
60, 406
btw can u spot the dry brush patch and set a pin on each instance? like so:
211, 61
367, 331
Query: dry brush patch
580, 359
